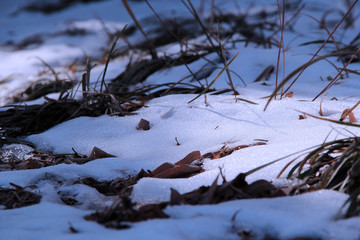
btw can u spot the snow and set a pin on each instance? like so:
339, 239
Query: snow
197, 126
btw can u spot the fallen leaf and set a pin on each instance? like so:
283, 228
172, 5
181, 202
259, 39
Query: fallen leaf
175, 197
344, 114
352, 118
347, 112
97, 153
188, 159
240, 147
208, 197
216, 155
289, 94
302, 116
179, 171
143, 125
262, 189
162, 167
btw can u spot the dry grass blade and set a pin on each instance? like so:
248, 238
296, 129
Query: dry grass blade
108, 59
50, 68
333, 121
197, 17
300, 69
333, 81
225, 62
245, 100
162, 22
320, 111
350, 111
216, 78
132, 15
265, 74
334, 165
277, 160
322, 45
329, 33
281, 45
137, 23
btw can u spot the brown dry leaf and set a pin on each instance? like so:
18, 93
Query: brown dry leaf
143, 125
179, 171
188, 159
208, 196
236, 189
240, 147
344, 114
175, 197
225, 151
347, 112
216, 155
124, 211
320, 111
289, 94
302, 116
97, 153
162, 167
262, 189
352, 118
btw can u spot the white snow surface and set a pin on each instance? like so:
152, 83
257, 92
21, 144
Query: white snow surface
199, 125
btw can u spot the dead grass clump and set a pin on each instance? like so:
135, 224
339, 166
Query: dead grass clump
139, 71
17, 197
18, 156
42, 88
25, 120
334, 165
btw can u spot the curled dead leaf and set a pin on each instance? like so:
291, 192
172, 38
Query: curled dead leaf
188, 159
289, 94
347, 112
352, 118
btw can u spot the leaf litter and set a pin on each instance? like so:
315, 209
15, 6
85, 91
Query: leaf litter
123, 210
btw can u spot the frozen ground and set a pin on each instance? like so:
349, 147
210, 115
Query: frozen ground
197, 126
